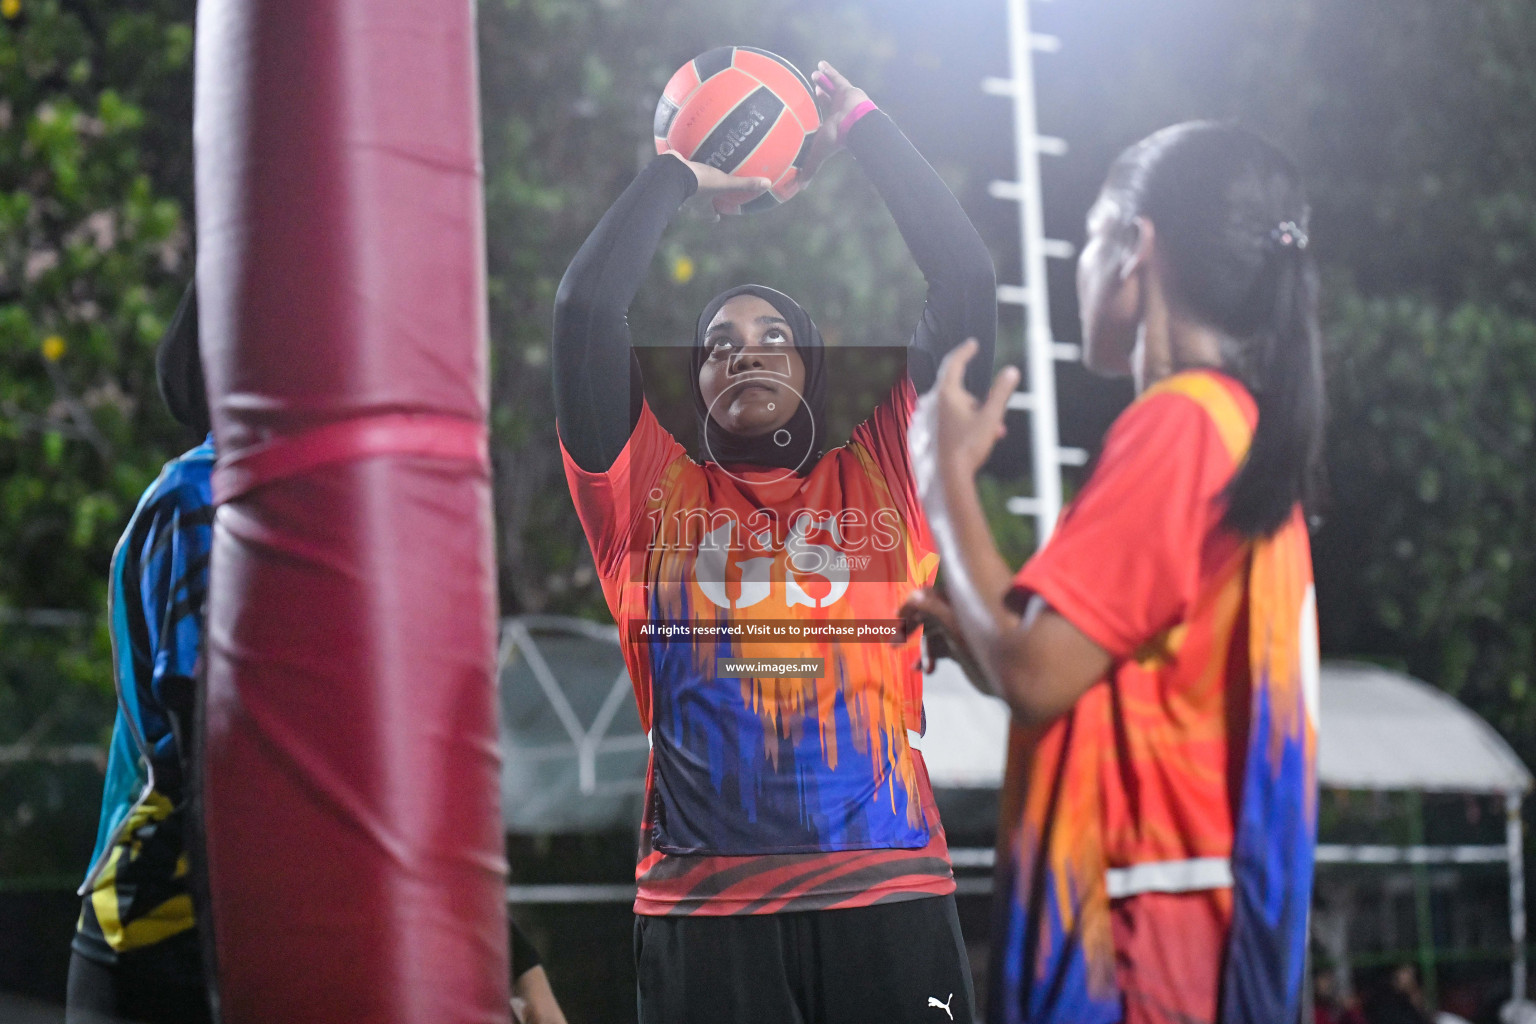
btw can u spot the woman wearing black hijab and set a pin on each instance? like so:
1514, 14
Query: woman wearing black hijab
792, 865
732, 442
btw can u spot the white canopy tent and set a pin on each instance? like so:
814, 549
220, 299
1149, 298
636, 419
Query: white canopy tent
573, 752
1386, 730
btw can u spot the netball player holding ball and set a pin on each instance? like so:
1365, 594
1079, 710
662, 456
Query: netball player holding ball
792, 866
1160, 651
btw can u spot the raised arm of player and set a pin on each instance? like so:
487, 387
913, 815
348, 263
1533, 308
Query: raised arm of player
593, 363
1033, 657
962, 284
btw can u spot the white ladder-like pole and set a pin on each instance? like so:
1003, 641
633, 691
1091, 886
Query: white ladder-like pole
1037, 397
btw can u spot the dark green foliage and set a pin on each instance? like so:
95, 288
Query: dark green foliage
95, 247
1429, 550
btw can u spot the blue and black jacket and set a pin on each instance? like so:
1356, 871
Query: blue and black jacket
136, 891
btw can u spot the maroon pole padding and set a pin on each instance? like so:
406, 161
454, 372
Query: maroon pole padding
354, 840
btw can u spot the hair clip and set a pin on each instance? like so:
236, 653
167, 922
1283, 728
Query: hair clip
1289, 234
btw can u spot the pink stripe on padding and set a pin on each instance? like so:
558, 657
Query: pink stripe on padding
426, 434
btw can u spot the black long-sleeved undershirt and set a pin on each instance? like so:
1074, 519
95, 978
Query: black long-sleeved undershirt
593, 362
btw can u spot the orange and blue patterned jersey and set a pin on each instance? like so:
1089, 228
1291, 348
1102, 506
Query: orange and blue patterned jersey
1155, 847
771, 792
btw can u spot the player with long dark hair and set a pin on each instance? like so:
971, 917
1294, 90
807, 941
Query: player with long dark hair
1160, 651
792, 864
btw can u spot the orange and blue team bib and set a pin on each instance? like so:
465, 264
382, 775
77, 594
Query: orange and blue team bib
701, 564
1178, 797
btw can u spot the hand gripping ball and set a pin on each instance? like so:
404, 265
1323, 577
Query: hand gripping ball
746, 111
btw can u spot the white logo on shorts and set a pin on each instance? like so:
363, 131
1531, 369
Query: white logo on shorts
933, 1001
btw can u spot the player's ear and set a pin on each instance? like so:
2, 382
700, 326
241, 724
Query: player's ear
1140, 242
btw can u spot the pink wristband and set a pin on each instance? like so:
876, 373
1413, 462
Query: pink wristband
853, 115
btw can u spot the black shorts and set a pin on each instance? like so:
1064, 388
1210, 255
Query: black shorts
159, 984
886, 964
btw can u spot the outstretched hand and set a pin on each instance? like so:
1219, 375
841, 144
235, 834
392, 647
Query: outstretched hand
837, 98
950, 430
714, 182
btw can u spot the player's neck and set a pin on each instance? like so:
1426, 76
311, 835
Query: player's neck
1168, 342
